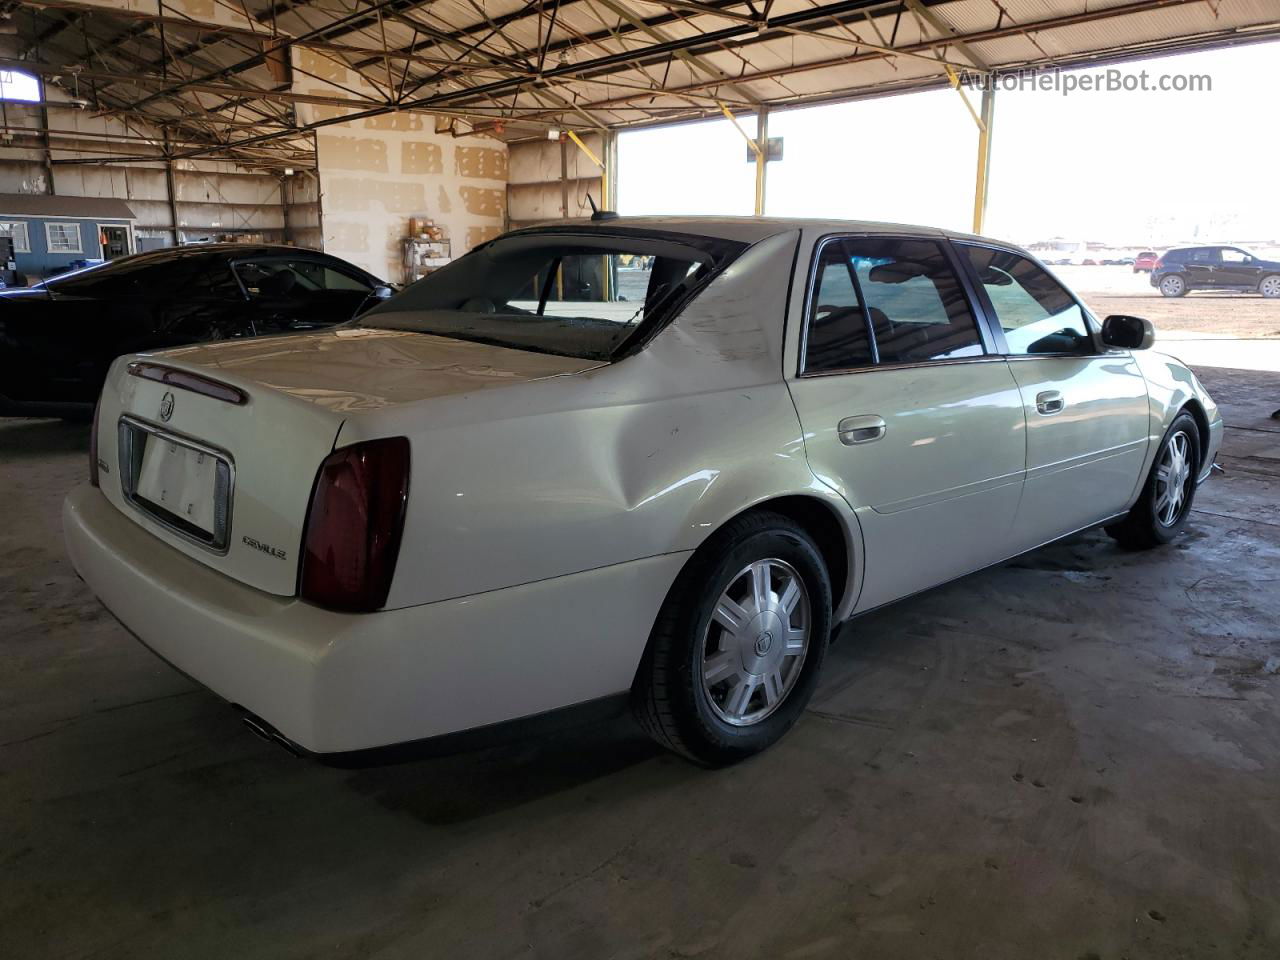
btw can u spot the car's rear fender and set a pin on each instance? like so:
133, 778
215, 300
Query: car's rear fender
644, 457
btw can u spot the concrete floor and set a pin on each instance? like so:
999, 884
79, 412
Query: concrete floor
1071, 756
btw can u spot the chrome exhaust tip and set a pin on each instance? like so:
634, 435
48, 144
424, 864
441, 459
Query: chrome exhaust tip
268, 733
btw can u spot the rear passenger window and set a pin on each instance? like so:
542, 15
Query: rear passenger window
914, 302
1034, 310
887, 300
837, 336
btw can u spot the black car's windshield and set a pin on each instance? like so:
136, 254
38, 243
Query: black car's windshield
580, 295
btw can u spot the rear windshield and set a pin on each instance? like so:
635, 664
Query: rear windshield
103, 277
583, 295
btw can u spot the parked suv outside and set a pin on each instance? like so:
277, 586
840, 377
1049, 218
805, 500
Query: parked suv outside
1215, 268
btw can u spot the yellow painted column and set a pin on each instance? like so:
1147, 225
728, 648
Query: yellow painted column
983, 181
762, 157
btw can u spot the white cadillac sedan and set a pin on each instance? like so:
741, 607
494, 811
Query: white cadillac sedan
655, 459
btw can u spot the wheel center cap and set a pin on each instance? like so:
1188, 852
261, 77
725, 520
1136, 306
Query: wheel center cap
762, 642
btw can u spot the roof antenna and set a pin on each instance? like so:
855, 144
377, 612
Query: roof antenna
597, 213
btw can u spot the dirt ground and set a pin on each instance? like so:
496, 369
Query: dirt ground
1070, 756
1110, 290
1218, 314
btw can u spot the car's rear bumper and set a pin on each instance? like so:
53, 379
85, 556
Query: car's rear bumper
334, 682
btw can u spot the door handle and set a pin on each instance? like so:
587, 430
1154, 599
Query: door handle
861, 429
1049, 402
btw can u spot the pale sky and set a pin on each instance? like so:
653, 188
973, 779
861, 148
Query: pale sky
1120, 167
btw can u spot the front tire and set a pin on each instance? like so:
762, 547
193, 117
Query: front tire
1173, 286
1269, 286
1161, 512
737, 647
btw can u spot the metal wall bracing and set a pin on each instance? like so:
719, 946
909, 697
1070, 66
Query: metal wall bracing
553, 179
44, 146
229, 79
212, 199
176, 84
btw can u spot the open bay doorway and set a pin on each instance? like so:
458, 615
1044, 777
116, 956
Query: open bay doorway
115, 241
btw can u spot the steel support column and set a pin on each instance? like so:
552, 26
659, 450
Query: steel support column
609, 175
284, 209
48, 148
983, 179
171, 190
607, 163
762, 157
564, 178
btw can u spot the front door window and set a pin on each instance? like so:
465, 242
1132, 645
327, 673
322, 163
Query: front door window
1035, 312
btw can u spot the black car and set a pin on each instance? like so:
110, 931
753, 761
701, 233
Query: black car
1215, 268
58, 338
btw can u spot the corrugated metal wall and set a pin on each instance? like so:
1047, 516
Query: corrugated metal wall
551, 179
214, 200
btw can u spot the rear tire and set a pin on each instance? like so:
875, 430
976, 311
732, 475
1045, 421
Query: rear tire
1173, 286
737, 647
1161, 512
1269, 286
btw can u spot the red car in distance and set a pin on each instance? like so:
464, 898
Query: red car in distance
1145, 262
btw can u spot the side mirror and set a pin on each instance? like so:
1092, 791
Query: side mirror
1128, 333
383, 292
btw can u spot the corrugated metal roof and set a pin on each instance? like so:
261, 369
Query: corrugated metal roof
514, 68
43, 205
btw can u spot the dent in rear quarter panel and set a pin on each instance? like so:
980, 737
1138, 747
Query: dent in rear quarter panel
640, 458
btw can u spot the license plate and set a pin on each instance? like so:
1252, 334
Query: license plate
179, 480
180, 483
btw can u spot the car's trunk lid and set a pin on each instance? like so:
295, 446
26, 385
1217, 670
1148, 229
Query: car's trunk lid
356, 369
215, 448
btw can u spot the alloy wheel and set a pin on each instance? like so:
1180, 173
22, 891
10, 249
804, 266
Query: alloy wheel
755, 645
1173, 479
1270, 287
1171, 285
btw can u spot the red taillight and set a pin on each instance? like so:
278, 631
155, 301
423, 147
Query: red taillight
1159, 262
354, 523
93, 449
